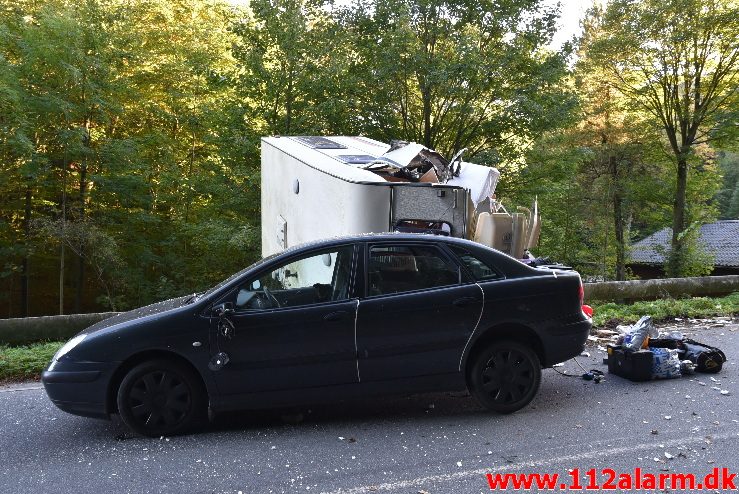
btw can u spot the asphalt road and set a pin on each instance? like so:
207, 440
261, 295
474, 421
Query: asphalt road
440, 443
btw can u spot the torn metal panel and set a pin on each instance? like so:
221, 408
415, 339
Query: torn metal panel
412, 162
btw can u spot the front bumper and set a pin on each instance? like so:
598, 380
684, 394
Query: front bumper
80, 388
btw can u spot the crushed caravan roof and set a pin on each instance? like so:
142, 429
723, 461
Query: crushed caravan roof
353, 158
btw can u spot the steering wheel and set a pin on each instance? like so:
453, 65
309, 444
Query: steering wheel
271, 297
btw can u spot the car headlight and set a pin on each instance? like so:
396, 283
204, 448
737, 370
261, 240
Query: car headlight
68, 346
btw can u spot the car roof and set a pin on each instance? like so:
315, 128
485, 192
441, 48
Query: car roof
375, 237
508, 264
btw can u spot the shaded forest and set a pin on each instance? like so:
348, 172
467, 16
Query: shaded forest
129, 129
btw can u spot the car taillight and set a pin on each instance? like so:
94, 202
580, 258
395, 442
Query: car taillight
588, 311
581, 293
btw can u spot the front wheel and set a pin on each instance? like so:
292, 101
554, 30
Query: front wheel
161, 398
505, 376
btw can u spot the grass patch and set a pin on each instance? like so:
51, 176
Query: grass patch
695, 307
26, 362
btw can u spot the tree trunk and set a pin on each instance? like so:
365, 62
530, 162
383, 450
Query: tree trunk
81, 254
26, 254
618, 221
64, 234
426, 95
676, 262
711, 286
289, 102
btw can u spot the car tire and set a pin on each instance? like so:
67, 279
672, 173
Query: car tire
505, 376
161, 398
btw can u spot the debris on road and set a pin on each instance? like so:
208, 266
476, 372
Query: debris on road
642, 353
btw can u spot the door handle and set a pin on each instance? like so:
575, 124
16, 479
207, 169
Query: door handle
464, 301
335, 316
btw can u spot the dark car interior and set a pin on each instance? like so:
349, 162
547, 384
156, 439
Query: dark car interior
404, 269
269, 292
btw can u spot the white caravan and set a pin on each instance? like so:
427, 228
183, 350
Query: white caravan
320, 187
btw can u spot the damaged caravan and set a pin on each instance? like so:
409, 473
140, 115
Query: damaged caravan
319, 187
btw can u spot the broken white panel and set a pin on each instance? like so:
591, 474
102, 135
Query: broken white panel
479, 180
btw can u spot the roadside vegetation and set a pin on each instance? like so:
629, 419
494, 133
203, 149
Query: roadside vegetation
26, 362
696, 307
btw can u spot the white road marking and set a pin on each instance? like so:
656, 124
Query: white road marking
521, 466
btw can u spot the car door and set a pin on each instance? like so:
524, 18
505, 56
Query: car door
293, 326
417, 313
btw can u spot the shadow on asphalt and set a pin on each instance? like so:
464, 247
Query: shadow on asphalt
555, 394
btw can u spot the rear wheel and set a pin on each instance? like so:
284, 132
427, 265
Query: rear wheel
161, 397
505, 376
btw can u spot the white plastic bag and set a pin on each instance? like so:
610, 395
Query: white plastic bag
665, 363
639, 332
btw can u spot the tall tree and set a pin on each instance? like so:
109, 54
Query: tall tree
455, 73
678, 60
615, 140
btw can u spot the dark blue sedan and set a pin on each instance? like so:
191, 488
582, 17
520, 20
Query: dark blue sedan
338, 319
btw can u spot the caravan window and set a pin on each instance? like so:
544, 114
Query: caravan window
396, 269
317, 278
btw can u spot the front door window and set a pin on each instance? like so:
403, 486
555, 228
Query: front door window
315, 279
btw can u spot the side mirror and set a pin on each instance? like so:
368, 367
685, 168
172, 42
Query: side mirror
223, 309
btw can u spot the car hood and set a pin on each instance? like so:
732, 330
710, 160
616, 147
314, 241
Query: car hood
140, 313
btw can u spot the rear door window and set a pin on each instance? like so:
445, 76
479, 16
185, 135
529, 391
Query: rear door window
406, 268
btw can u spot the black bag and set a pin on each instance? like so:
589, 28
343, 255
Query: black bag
706, 358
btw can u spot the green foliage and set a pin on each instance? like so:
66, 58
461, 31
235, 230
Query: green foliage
728, 196
456, 74
129, 130
678, 61
26, 362
666, 308
127, 135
